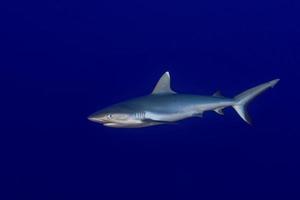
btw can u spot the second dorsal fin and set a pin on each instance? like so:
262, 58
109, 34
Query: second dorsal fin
218, 94
163, 86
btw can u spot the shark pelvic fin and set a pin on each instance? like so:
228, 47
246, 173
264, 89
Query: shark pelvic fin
163, 86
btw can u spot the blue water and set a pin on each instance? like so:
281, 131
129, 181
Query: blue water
63, 60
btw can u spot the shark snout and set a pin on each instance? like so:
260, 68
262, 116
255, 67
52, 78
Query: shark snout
93, 119
96, 118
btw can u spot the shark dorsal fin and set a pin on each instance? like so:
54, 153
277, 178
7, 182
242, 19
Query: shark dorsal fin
218, 94
163, 85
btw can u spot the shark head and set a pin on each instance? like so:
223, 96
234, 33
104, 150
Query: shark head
114, 116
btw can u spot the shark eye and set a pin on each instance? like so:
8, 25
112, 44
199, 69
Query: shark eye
109, 116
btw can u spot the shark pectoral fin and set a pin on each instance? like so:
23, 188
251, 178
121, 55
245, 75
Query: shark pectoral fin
219, 111
158, 121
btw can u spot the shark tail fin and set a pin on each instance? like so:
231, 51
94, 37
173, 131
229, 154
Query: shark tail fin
242, 100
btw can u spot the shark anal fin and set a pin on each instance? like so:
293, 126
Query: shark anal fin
219, 111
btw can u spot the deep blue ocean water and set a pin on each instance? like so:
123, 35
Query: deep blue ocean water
62, 60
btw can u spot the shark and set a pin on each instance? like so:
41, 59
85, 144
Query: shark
165, 106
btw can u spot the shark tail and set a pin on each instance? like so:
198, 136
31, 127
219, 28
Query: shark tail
242, 100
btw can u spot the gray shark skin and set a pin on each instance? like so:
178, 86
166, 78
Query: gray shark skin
164, 106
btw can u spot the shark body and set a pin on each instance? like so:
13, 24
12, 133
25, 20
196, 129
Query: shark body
164, 106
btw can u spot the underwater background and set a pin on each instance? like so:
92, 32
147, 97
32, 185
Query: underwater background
63, 60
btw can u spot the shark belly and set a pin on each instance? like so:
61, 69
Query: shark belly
178, 107
167, 117
171, 112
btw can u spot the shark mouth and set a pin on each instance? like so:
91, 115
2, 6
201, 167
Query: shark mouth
111, 124
122, 125
116, 125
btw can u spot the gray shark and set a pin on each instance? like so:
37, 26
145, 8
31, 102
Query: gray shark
164, 106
